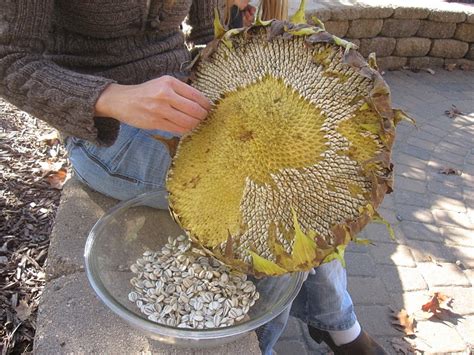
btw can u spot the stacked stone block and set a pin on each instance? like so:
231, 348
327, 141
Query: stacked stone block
405, 36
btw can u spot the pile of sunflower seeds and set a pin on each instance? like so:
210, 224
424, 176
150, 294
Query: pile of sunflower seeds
180, 286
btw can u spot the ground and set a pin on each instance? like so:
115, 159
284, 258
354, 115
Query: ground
433, 218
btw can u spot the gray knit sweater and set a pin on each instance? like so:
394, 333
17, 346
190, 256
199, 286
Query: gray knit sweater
57, 56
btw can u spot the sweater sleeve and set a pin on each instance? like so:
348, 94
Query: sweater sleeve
28, 79
201, 20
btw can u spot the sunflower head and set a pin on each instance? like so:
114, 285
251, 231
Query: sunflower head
295, 156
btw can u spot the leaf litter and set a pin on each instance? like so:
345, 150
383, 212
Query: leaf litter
33, 168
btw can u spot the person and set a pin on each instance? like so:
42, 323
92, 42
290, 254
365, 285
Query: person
108, 75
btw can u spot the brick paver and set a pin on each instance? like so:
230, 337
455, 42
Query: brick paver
432, 215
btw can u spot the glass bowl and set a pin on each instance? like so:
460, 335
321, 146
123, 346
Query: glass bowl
124, 233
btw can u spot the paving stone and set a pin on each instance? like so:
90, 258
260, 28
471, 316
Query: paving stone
447, 16
410, 301
391, 62
409, 160
403, 183
432, 29
458, 236
417, 152
452, 147
470, 275
424, 251
434, 130
400, 28
445, 188
392, 254
388, 214
293, 329
425, 136
437, 164
337, 28
448, 204
414, 214
412, 47
411, 198
453, 219
463, 298
359, 264
463, 254
456, 158
448, 48
367, 291
364, 28
378, 232
421, 231
438, 338
376, 320
410, 172
443, 274
421, 143
411, 12
465, 328
465, 32
401, 278
388, 202
291, 347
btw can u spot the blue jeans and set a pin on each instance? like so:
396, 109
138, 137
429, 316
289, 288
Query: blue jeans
137, 163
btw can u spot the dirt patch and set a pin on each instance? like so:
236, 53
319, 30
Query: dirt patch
30, 156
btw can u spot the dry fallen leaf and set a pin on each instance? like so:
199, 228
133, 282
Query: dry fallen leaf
50, 138
403, 321
434, 305
450, 171
453, 112
23, 311
58, 178
48, 166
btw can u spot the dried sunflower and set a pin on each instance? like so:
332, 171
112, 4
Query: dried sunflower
294, 158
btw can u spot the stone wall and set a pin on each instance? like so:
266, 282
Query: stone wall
404, 36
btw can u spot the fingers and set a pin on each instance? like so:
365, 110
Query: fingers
182, 122
191, 93
188, 107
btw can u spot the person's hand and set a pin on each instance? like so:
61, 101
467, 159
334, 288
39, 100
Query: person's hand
248, 11
249, 15
164, 103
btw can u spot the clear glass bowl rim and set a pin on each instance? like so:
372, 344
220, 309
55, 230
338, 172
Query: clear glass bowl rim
162, 330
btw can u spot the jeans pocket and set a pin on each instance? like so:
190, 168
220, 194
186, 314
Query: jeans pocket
144, 159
